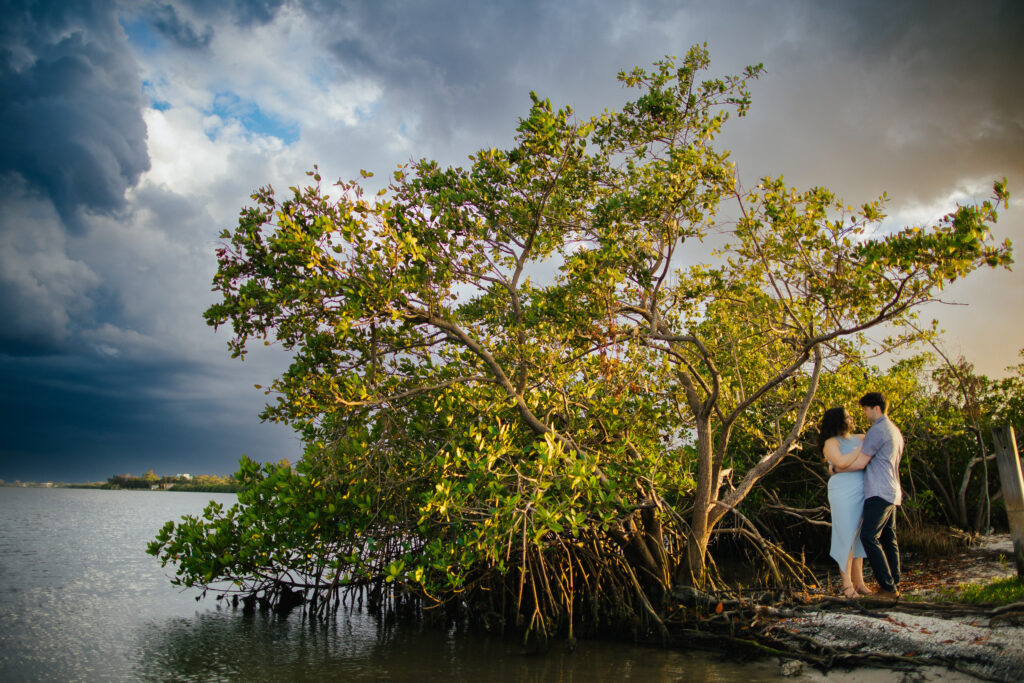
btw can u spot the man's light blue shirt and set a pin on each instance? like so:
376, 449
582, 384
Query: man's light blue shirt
884, 443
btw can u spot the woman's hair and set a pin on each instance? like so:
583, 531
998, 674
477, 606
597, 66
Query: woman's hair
834, 422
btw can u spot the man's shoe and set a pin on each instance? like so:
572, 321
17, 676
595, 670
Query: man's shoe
887, 595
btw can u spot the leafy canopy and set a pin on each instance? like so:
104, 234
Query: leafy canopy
496, 363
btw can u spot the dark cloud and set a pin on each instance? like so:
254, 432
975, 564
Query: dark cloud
44, 290
166, 20
240, 12
460, 70
78, 419
70, 105
909, 97
72, 142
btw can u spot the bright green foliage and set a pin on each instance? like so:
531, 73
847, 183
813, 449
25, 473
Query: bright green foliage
509, 384
289, 530
1005, 591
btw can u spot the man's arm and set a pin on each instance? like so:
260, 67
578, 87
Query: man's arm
873, 441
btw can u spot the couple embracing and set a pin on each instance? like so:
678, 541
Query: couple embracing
864, 492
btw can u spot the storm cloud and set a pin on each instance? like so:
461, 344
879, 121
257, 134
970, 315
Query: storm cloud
70, 106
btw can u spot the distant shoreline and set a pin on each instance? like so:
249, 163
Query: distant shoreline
52, 484
102, 485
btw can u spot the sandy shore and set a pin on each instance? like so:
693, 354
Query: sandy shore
988, 651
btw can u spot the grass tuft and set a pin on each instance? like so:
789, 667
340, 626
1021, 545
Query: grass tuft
996, 592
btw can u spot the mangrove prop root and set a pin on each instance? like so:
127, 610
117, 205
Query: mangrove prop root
605, 584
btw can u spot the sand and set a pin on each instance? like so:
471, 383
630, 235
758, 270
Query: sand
989, 651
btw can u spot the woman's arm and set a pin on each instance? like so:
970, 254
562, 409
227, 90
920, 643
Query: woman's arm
862, 460
860, 463
840, 461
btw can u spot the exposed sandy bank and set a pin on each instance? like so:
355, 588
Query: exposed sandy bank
990, 651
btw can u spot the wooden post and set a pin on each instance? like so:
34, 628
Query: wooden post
1013, 489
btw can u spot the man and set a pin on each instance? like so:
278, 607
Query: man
883, 443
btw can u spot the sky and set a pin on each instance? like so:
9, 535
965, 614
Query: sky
132, 133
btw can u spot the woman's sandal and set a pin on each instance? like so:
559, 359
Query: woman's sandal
850, 593
864, 590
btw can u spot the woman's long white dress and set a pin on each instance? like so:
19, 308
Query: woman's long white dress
846, 498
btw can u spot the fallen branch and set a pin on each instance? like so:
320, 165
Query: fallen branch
1006, 613
802, 513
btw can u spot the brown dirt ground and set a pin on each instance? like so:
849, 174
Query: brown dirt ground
990, 557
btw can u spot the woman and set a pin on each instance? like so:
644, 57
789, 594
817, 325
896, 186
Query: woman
845, 496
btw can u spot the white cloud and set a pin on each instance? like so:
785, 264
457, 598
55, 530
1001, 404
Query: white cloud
183, 158
928, 212
191, 154
281, 67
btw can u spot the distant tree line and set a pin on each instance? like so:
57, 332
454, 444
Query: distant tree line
210, 483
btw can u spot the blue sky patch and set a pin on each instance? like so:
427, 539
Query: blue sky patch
149, 92
229, 106
141, 35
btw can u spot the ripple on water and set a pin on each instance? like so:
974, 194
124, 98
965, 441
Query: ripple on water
84, 602
79, 582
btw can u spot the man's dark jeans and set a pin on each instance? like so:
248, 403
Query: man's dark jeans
878, 534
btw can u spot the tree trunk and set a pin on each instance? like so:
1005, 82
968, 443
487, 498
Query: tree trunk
1013, 489
696, 555
656, 544
703, 500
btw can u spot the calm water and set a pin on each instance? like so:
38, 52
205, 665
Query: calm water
80, 600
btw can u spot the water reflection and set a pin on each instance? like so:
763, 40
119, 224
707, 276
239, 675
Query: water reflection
228, 645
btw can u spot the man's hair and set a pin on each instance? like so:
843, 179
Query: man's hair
875, 398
